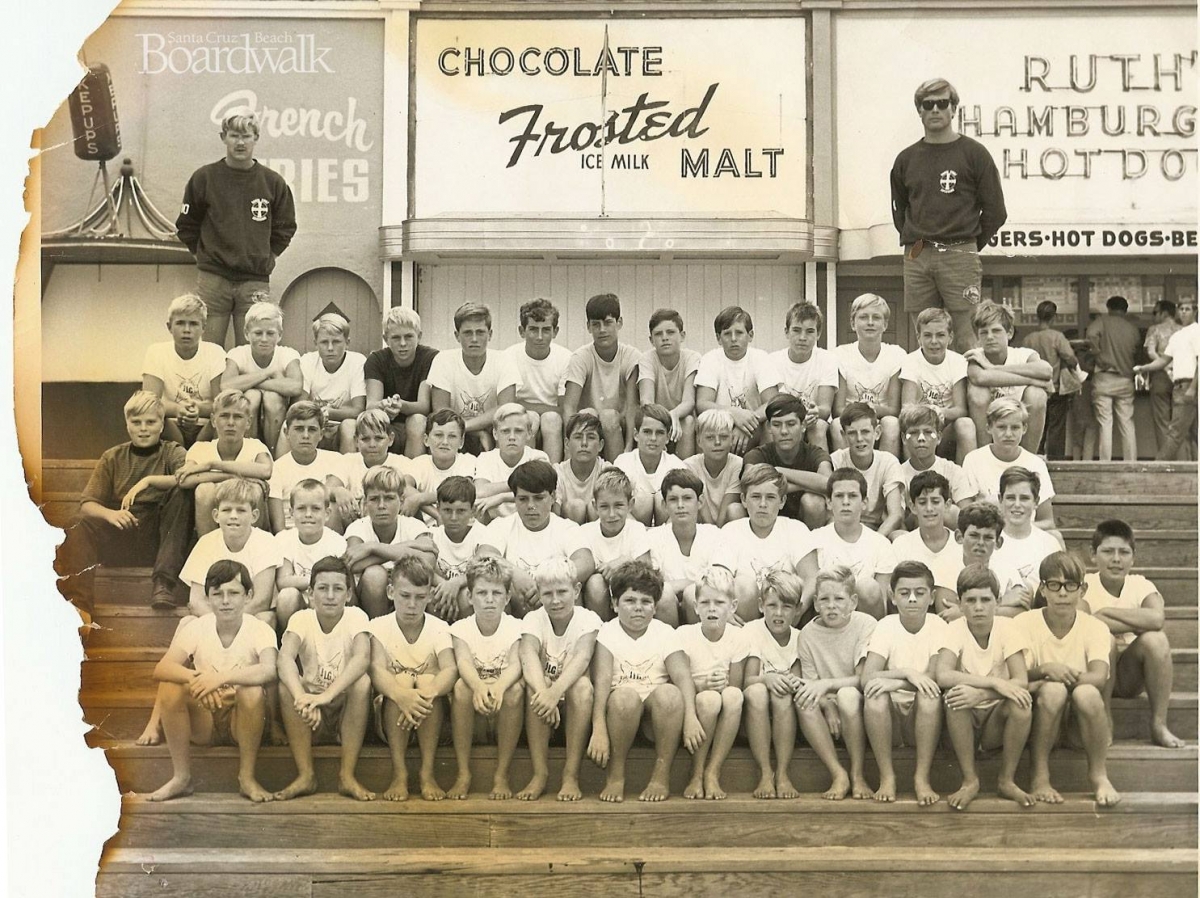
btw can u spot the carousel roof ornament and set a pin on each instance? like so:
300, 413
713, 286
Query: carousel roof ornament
106, 232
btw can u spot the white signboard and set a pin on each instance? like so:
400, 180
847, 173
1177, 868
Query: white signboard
1090, 118
648, 117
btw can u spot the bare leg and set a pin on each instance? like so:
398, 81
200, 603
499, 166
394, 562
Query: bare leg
854, 737
579, 724
961, 727
722, 741
414, 436
1015, 722
877, 713
397, 742
177, 729
508, 731
665, 705
427, 739
623, 717
537, 736
462, 723
783, 733
354, 730
929, 730
1147, 664
300, 741
708, 707
816, 733
552, 436
248, 723
1034, 400
1050, 700
1093, 724
758, 730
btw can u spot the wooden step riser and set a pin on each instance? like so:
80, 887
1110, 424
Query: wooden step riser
1150, 551
679, 827
1122, 483
216, 771
1148, 516
559, 880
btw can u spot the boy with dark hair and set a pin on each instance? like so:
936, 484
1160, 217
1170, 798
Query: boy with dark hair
980, 532
1024, 545
650, 462
578, 472
682, 548
602, 376
884, 511
1132, 609
932, 543
805, 466
997, 370
737, 376
541, 366
456, 541
919, 428
667, 377
903, 701
444, 439
640, 666
807, 371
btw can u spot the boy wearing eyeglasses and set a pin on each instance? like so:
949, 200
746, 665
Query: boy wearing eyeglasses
947, 203
1067, 652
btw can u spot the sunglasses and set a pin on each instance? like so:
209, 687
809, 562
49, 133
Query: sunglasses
929, 105
1061, 585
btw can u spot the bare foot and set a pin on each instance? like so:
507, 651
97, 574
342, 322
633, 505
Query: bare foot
301, 785
570, 790
1106, 795
886, 790
501, 790
533, 791
461, 787
352, 788
712, 787
252, 790
784, 787
962, 799
766, 785
1013, 792
1159, 735
398, 790
152, 734
614, 790
839, 788
926, 797
1042, 791
430, 790
694, 788
656, 790
173, 788
859, 788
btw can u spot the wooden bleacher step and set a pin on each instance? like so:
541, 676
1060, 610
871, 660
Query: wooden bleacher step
1142, 512
226, 820
639, 871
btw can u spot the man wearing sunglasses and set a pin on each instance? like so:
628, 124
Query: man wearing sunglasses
947, 203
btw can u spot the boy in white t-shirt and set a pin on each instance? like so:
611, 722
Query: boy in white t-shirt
542, 369
334, 380
997, 370
981, 671
269, 374
682, 548
772, 677
185, 373
717, 467
231, 454
456, 540
489, 697
444, 440
808, 371
377, 540
936, 376
1007, 426
578, 472
1067, 654
844, 540
902, 700
1024, 545
884, 512
764, 541
602, 376
324, 693
305, 460
412, 671
372, 439
211, 683
738, 377
534, 534
932, 543
869, 371
640, 666
1132, 609
667, 377
510, 429
980, 532
829, 699
613, 538
649, 463
716, 653
470, 380
919, 427
302, 547
558, 640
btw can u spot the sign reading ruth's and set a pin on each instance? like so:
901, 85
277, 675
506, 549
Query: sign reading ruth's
647, 117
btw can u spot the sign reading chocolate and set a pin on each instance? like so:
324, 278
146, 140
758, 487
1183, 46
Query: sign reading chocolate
644, 116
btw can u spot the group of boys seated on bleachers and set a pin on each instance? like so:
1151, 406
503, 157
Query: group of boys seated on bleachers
761, 530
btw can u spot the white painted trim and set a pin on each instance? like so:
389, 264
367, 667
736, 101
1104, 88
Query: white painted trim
239, 9
810, 282
408, 284
396, 33
831, 307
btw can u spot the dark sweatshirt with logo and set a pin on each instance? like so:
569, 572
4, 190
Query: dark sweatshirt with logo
236, 221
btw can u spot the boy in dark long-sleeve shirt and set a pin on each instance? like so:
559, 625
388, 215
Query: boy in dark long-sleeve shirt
237, 217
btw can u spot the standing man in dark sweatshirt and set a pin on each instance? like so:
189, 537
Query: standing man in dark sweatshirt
237, 216
946, 203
